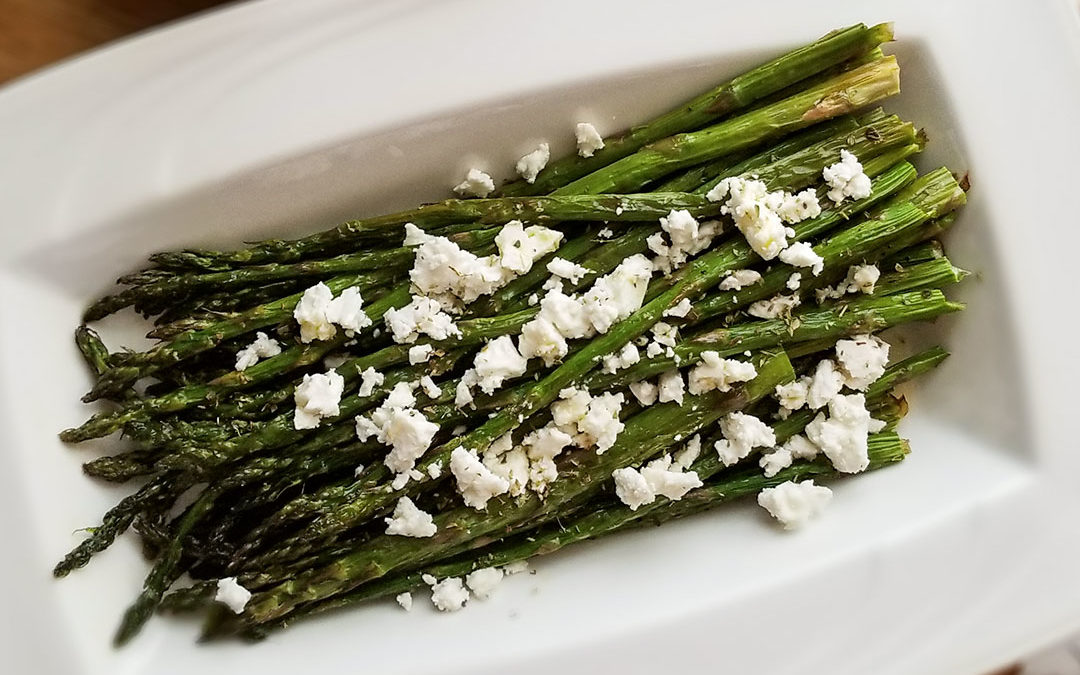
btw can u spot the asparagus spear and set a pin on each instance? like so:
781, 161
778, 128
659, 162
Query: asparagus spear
729, 97
843, 94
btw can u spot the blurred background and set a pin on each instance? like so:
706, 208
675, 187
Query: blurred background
35, 33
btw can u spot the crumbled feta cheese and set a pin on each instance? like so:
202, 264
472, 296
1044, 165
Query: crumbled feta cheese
864, 277
482, 582
410, 521
794, 281
801, 254
601, 423
405, 600
775, 307
463, 393
605, 233
476, 184
624, 358
542, 447
670, 387
509, 463
654, 349
369, 379
688, 237
420, 316
800, 207
862, 359
589, 139
567, 269
498, 361
742, 433
541, 338
420, 354
846, 178
533, 163
618, 210
800, 447
617, 295
689, 454
516, 567
414, 236
358, 471
665, 334
736, 280
842, 435
232, 594
310, 314
449, 595
792, 395
519, 246
431, 390
753, 208
346, 310
398, 424
680, 309
657, 478
476, 483
263, 347
316, 397
644, 391
533, 300
824, 385
717, 373
773, 462
794, 504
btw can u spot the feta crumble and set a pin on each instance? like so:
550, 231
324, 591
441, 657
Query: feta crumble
773, 462
542, 447
657, 478
670, 387
567, 269
792, 395
801, 447
776, 307
263, 347
498, 361
409, 520
859, 279
714, 372
421, 316
753, 208
405, 600
369, 379
842, 435
794, 281
431, 390
476, 483
738, 279
794, 504
802, 254
824, 385
533, 163
624, 358
589, 139
401, 426
742, 433
862, 360
519, 246
689, 454
605, 233
482, 582
617, 295
316, 397
644, 391
846, 178
601, 423
516, 567
420, 354
476, 184
688, 237
310, 314
449, 595
680, 309
346, 310
232, 594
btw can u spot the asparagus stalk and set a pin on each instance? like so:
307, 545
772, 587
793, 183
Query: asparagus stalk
738, 94
845, 93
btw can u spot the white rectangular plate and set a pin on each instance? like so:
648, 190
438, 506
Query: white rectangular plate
277, 117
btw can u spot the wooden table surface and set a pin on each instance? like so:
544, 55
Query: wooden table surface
35, 33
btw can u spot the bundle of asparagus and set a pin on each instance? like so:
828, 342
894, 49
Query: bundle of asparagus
442, 393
